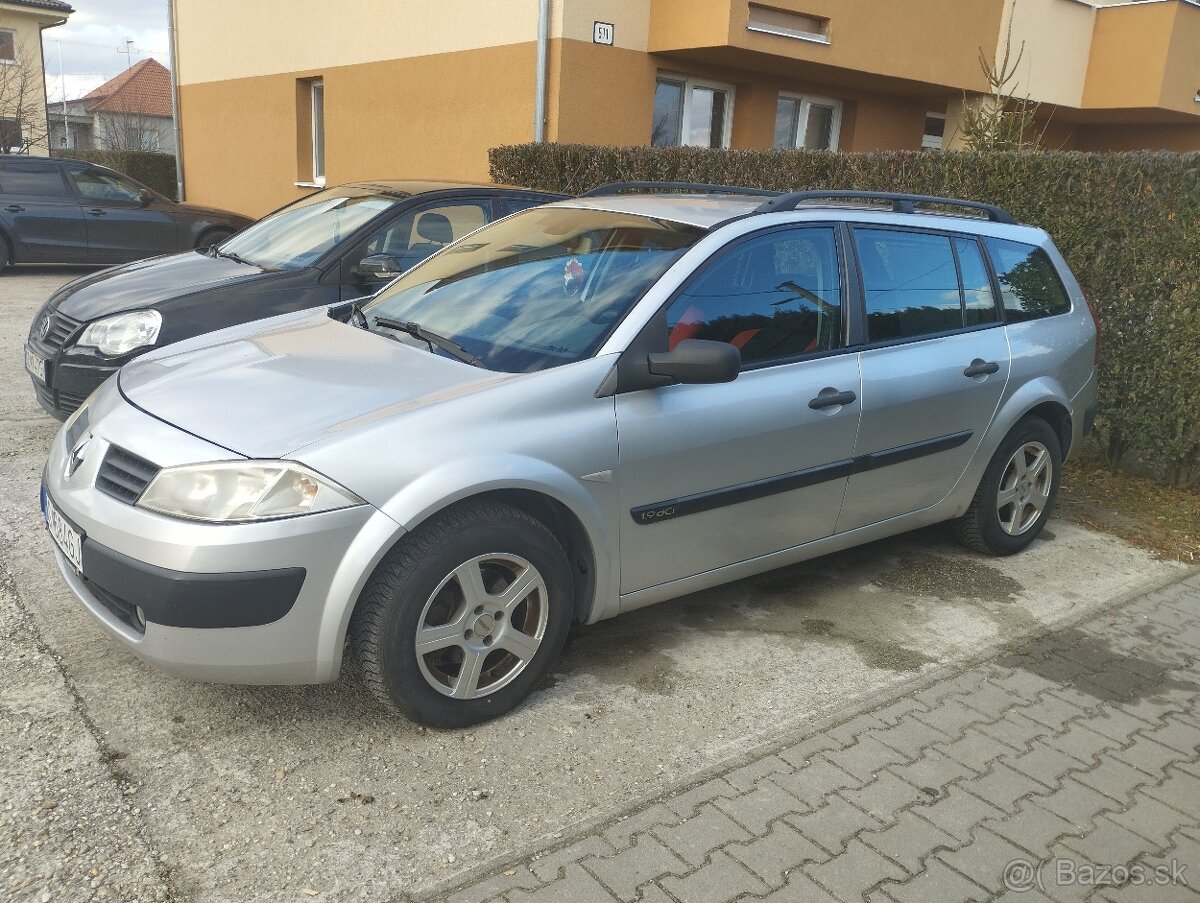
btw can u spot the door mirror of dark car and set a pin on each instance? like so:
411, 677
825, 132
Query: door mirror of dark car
378, 266
145, 197
697, 361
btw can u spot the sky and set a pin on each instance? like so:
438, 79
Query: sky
93, 43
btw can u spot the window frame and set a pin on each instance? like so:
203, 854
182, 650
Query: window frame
13, 60
805, 106
941, 139
316, 87
689, 84
850, 310
865, 344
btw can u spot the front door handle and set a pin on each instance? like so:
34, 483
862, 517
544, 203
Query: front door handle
96, 211
15, 208
831, 398
980, 367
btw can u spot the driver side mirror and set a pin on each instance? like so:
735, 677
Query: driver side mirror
378, 266
698, 361
145, 198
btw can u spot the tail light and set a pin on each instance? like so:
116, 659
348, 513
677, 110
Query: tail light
1095, 319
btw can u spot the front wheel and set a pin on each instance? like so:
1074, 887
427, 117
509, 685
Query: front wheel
212, 237
465, 616
1017, 492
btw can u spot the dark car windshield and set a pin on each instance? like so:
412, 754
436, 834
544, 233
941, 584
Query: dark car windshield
540, 289
296, 236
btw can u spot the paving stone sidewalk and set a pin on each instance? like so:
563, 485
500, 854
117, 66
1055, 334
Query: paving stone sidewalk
1065, 769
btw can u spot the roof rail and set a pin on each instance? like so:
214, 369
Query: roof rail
617, 187
901, 203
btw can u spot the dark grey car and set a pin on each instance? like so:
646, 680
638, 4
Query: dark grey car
65, 211
344, 242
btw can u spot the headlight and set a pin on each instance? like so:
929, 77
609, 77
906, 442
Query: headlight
243, 491
120, 334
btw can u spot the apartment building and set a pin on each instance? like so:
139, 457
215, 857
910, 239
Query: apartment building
278, 96
23, 128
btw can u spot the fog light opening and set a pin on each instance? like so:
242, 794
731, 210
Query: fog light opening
140, 616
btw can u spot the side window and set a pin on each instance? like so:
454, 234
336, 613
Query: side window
509, 206
911, 284
94, 185
32, 181
979, 303
773, 296
420, 233
1028, 282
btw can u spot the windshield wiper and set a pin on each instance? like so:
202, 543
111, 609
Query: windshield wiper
416, 330
230, 255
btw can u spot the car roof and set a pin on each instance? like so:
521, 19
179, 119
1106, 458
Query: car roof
427, 186
703, 210
709, 209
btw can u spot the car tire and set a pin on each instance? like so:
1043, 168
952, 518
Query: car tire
487, 650
212, 237
5, 254
1026, 469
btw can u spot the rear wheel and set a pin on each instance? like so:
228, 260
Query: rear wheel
464, 617
1017, 492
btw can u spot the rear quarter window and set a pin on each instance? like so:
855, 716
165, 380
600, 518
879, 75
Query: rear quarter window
1029, 284
32, 181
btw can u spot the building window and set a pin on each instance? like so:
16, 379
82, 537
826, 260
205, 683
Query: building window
8, 46
935, 131
318, 130
691, 112
11, 138
810, 123
788, 24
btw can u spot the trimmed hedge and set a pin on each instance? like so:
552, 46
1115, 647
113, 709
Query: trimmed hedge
1128, 224
152, 169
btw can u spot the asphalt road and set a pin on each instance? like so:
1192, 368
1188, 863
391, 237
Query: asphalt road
117, 782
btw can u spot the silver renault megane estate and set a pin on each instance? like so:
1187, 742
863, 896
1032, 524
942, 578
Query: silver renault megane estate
577, 411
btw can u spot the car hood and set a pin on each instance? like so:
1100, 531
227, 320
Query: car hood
147, 283
265, 392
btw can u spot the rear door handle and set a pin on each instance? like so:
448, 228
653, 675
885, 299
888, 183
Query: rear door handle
980, 367
96, 211
831, 398
15, 208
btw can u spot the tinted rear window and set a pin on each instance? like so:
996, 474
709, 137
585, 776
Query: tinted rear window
32, 181
1028, 281
911, 284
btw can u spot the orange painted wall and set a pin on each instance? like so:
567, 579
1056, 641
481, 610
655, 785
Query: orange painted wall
423, 117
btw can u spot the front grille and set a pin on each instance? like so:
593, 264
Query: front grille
60, 330
69, 402
124, 476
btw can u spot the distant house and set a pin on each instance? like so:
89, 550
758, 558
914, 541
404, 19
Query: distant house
22, 79
129, 112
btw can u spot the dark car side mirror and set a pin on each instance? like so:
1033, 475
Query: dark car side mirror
698, 361
145, 198
378, 266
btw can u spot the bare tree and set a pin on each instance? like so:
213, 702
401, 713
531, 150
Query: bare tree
126, 129
22, 99
997, 121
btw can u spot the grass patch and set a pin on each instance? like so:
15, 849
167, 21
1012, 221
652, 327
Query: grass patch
1143, 512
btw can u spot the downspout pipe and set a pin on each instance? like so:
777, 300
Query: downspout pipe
543, 50
175, 101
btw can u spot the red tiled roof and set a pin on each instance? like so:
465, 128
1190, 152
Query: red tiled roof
144, 88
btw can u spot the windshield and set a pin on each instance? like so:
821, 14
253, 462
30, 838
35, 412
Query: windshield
296, 236
540, 289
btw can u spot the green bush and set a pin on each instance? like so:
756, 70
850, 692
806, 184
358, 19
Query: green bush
1128, 224
152, 169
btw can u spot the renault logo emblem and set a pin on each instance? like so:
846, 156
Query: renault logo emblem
75, 459
44, 328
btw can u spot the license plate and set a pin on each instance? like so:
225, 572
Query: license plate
36, 366
67, 538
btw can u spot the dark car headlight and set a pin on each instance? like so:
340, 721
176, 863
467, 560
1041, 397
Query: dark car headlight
122, 333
